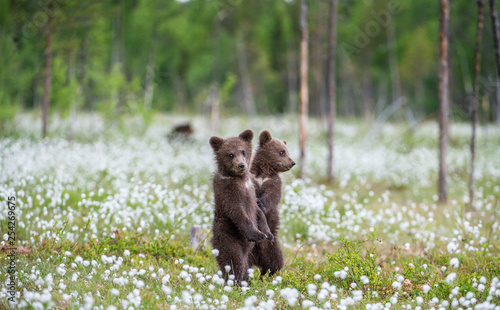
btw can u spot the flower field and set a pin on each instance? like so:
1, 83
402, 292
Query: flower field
102, 220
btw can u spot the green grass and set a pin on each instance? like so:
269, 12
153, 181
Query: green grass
385, 229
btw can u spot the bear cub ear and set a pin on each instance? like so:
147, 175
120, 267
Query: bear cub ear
247, 135
216, 143
264, 137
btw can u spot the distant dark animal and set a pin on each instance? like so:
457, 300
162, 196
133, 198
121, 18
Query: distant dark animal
181, 132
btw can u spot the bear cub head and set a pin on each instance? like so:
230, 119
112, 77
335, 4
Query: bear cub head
233, 155
272, 155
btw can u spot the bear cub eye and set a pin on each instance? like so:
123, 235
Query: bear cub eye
231, 155
244, 153
282, 153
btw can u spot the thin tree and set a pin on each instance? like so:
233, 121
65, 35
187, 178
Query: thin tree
332, 86
474, 103
304, 91
149, 81
496, 40
444, 20
48, 71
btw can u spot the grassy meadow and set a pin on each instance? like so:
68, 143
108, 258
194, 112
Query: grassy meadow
103, 216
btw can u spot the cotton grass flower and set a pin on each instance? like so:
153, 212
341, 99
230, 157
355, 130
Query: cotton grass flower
451, 277
454, 262
426, 288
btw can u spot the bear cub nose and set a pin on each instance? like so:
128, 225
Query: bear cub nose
293, 163
241, 165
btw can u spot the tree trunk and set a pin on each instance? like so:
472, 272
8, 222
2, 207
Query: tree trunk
444, 19
82, 69
318, 97
150, 76
318, 100
48, 74
304, 91
214, 98
368, 93
332, 87
497, 106
496, 39
393, 66
474, 103
117, 56
291, 69
246, 83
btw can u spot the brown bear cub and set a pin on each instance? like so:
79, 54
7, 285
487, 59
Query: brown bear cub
270, 159
238, 221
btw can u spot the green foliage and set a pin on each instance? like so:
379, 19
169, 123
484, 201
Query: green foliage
300, 273
102, 50
356, 264
65, 89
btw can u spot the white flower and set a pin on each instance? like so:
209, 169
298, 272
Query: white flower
139, 284
452, 247
165, 279
126, 253
451, 277
364, 280
61, 270
311, 289
270, 293
426, 288
250, 301
307, 304
215, 252
291, 295
186, 297
115, 292
396, 285
394, 300
454, 262
166, 289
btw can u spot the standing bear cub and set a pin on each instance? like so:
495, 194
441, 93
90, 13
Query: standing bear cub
238, 221
271, 158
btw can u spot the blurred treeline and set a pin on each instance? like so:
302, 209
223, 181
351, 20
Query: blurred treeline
133, 56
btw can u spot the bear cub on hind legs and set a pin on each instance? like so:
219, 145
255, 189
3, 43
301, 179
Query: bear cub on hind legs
271, 158
238, 221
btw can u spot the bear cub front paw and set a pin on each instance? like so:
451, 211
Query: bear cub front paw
261, 205
270, 236
257, 236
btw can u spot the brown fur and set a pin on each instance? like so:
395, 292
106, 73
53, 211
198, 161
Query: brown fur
238, 221
271, 158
